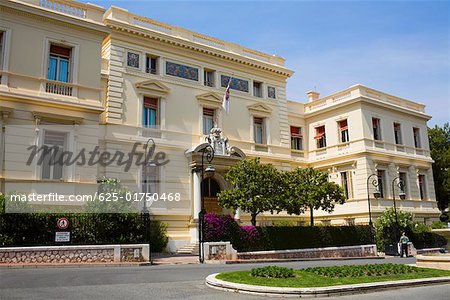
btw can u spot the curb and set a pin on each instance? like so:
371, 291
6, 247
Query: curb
218, 284
64, 265
247, 261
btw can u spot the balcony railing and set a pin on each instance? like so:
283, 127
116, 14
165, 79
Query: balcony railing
209, 83
151, 70
59, 88
64, 7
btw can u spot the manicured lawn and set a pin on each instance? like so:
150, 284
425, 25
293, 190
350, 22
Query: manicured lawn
304, 278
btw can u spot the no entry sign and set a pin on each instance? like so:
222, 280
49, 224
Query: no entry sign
62, 223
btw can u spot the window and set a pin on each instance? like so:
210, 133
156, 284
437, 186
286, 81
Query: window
381, 180
151, 114
343, 131
345, 183
208, 120
208, 77
422, 188
271, 92
257, 89
52, 165
296, 138
133, 60
258, 124
416, 133
403, 178
320, 137
151, 64
397, 133
150, 179
376, 129
2, 43
350, 222
59, 63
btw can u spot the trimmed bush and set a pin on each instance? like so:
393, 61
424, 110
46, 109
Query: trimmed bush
38, 229
272, 272
251, 238
363, 270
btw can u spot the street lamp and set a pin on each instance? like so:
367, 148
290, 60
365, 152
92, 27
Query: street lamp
376, 194
208, 153
402, 196
145, 214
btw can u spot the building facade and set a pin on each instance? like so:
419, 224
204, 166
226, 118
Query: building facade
74, 65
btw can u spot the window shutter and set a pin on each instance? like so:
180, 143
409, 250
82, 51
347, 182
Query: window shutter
151, 102
343, 125
58, 50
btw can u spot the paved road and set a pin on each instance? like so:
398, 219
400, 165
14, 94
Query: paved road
163, 282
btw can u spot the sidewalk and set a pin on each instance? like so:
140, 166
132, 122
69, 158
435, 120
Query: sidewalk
174, 259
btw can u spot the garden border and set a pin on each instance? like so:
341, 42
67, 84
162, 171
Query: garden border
215, 283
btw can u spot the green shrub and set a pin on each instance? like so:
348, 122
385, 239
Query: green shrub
38, 229
439, 225
363, 270
284, 223
420, 228
272, 272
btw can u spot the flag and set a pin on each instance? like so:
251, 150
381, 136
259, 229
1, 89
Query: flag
226, 98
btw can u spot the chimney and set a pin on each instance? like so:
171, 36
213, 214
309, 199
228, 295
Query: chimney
312, 96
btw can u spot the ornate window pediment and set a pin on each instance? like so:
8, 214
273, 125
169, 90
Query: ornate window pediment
210, 99
153, 87
259, 109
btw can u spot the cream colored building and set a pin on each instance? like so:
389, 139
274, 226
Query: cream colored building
144, 79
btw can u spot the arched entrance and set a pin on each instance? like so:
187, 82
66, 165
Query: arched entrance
210, 189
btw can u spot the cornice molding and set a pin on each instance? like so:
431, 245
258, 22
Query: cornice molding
259, 109
210, 99
51, 17
152, 86
123, 27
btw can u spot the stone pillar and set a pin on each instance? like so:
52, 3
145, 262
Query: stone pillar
237, 215
197, 194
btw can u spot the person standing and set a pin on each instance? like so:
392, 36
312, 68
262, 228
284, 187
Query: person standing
404, 240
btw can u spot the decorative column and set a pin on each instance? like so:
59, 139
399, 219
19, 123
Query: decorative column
197, 193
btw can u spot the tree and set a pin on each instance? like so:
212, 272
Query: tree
308, 188
386, 226
257, 188
439, 138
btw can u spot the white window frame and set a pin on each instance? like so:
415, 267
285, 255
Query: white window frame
74, 60
400, 135
68, 171
4, 54
203, 118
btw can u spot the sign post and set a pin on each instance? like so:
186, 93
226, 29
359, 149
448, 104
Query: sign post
62, 235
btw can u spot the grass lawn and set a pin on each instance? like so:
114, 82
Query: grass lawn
305, 279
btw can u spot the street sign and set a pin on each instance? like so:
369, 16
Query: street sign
62, 236
62, 223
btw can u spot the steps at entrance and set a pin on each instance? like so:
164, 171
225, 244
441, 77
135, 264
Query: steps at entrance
191, 248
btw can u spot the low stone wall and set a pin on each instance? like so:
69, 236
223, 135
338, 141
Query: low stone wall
214, 251
328, 252
75, 254
437, 261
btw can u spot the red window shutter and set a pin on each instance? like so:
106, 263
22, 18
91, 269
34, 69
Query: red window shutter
58, 50
320, 132
343, 125
295, 131
151, 102
258, 120
208, 112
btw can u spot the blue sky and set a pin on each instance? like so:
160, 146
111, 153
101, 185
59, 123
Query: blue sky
399, 47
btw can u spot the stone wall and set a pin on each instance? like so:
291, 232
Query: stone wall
75, 254
329, 252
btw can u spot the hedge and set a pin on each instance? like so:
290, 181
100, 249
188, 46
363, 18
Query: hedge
36, 229
249, 238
